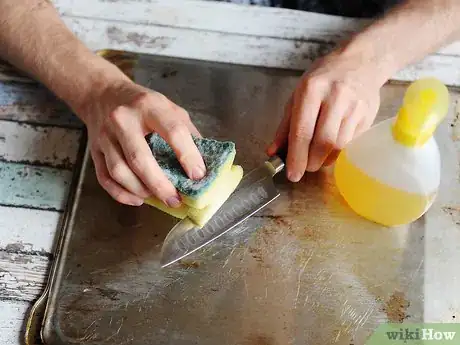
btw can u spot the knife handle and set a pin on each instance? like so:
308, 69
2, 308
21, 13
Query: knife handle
277, 162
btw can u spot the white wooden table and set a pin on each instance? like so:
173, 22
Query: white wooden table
39, 138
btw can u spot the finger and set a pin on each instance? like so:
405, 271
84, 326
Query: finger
178, 137
184, 116
361, 127
283, 130
139, 157
365, 123
174, 125
347, 131
305, 109
348, 126
327, 128
114, 189
119, 170
351, 126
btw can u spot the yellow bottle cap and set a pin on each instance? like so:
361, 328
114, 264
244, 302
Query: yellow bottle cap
425, 104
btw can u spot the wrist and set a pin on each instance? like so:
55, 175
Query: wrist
107, 87
374, 59
93, 76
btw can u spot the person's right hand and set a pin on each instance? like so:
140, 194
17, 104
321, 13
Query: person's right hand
336, 100
117, 119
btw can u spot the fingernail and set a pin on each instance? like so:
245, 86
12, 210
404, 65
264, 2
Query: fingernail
173, 201
294, 177
198, 173
312, 167
137, 202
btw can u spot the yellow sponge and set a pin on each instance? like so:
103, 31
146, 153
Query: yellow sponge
221, 191
207, 196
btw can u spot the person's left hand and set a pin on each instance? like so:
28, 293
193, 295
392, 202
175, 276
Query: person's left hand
335, 101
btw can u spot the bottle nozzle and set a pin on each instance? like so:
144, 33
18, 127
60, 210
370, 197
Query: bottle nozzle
425, 104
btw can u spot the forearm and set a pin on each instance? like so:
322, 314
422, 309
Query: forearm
406, 34
34, 39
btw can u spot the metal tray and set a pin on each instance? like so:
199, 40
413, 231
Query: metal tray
306, 270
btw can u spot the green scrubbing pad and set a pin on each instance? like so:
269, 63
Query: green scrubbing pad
202, 198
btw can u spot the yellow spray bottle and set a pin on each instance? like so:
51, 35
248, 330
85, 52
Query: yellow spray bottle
390, 174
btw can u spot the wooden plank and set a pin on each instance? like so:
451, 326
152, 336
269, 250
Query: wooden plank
22, 276
225, 18
12, 321
185, 43
237, 49
33, 186
51, 146
28, 231
221, 17
33, 103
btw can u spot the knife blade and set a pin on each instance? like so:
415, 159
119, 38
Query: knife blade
255, 191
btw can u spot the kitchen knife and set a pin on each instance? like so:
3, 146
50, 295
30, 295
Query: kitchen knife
255, 191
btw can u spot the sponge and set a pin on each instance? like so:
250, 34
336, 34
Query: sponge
200, 217
201, 199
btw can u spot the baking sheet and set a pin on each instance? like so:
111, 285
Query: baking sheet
305, 270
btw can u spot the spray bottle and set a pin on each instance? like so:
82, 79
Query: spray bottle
391, 173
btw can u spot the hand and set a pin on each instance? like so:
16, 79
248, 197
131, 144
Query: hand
118, 119
335, 101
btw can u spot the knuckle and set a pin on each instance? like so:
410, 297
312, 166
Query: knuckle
176, 130
157, 99
151, 100
102, 132
161, 102
328, 141
118, 172
302, 133
141, 99
338, 86
183, 114
345, 90
136, 160
342, 91
314, 83
104, 181
116, 116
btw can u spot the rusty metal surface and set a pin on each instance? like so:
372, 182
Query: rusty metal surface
305, 270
